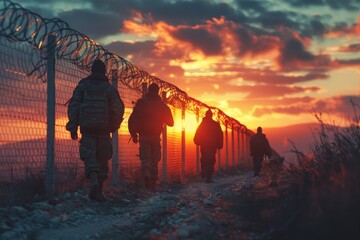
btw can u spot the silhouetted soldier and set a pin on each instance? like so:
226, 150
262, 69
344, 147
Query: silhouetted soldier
97, 108
147, 121
209, 137
259, 147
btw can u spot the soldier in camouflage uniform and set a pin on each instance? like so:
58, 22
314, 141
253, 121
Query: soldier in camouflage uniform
97, 108
147, 121
259, 147
209, 137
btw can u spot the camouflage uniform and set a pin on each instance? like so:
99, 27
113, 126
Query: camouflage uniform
95, 145
209, 137
150, 155
95, 151
147, 120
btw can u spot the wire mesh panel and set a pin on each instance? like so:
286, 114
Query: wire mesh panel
23, 103
223, 155
67, 160
22, 115
190, 147
128, 151
174, 146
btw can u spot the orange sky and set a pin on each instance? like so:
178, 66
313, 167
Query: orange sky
269, 63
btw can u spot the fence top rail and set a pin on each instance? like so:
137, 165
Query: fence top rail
22, 25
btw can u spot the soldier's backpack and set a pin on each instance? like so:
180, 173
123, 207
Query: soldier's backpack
94, 109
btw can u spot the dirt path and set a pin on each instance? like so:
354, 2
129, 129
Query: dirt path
220, 210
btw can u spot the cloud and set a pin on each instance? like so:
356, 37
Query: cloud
249, 92
250, 43
352, 48
269, 91
274, 19
249, 105
349, 62
175, 12
134, 50
338, 106
350, 5
344, 29
93, 24
294, 52
209, 44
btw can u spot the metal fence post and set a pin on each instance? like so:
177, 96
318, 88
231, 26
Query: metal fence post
232, 145
226, 146
243, 147
238, 146
115, 138
164, 148
183, 138
247, 150
50, 131
219, 151
197, 147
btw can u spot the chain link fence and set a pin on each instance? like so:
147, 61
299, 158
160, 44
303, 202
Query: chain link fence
24, 120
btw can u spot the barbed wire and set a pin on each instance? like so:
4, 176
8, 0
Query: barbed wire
22, 25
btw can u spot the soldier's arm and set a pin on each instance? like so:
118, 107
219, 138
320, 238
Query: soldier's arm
74, 109
117, 109
169, 120
198, 135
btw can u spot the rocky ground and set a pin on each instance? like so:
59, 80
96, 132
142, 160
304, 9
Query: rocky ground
233, 207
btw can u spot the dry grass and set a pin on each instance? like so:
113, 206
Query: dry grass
327, 186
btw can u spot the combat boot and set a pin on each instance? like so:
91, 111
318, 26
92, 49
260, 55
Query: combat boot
94, 190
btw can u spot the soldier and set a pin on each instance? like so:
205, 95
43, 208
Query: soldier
146, 122
97, 108
259, 147
209, 137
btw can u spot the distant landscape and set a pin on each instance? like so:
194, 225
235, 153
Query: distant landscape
302, 135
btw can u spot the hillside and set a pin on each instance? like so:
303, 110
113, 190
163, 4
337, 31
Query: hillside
302, 135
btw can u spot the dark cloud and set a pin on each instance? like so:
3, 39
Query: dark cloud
94, 24
350, 5
175, 12
251, 43
352, 48
350, 62
142, 54
209, 44
274, 19
294, 51
316, 28
191, 12
137, 49
258, 6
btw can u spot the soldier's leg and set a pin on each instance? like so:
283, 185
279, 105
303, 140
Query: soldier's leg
256, 165
88, 155
156, 157
210, 163
145, 158
104, 153
211, 166
202, 163
205, 162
